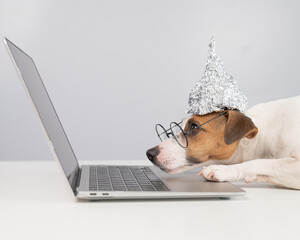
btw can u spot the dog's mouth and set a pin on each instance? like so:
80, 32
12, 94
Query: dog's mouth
167, 162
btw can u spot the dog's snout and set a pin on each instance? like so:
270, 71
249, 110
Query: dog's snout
152, 153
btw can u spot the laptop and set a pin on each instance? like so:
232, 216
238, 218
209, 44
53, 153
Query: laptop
99, 182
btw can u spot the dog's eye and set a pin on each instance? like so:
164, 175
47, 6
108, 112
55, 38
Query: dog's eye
193, 129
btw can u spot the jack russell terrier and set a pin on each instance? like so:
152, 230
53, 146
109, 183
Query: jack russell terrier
261, 145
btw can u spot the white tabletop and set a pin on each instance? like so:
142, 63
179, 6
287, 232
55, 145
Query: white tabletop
35, 203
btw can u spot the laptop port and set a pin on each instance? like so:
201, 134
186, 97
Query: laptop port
105, 194
93, 194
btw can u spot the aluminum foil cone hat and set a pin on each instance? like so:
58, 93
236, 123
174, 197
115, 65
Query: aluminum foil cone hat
216, 90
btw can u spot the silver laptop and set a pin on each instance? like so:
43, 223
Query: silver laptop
100, 181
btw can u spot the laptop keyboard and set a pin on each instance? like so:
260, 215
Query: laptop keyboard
124, 178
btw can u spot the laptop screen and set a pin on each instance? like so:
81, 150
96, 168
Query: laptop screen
46, 112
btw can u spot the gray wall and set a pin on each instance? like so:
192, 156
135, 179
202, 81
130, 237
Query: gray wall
115, 68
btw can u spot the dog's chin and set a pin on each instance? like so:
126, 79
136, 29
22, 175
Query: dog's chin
178, 169
174, 171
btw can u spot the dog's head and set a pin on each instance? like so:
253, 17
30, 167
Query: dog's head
215, 140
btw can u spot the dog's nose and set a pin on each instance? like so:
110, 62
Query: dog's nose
152, 153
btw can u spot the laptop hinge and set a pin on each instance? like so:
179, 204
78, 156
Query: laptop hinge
78, 178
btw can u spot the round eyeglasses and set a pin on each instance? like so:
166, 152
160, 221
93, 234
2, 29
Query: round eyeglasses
175, 131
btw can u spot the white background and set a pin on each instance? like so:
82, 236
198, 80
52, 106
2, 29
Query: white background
115, 68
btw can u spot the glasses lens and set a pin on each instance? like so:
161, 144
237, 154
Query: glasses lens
179, 135
161, 132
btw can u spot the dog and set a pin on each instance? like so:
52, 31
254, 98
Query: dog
261, 145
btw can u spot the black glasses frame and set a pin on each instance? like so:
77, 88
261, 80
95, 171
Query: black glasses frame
169, 132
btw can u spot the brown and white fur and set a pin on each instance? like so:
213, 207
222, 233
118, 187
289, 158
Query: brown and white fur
263, 145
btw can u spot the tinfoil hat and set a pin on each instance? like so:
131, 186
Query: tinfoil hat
216, 90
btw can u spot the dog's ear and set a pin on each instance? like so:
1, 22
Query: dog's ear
238, 126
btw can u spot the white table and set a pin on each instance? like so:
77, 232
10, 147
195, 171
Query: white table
35, 203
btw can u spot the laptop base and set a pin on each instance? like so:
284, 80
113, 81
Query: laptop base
186, 185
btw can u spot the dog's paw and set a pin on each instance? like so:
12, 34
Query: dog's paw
219, 173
